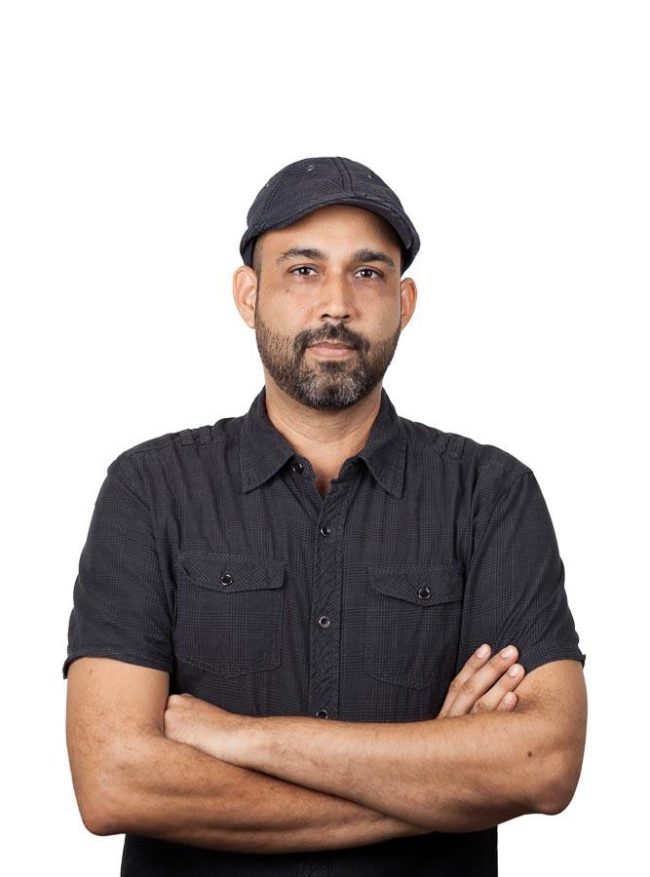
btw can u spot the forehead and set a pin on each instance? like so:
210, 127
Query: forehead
337, 223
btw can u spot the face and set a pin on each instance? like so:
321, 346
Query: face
329, 306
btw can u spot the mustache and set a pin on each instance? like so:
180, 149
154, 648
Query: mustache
340, 334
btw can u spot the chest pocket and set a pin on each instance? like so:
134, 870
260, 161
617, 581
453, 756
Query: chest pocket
229, 612
412, 623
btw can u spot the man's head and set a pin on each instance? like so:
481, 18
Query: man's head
332, 275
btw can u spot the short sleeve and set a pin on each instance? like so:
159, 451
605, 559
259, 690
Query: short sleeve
515, 590
119, 605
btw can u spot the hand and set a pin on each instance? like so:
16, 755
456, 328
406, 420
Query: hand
483, 686
204, 726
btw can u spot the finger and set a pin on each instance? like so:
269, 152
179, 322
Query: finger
473, 663
473, 689
508, 702
505, 683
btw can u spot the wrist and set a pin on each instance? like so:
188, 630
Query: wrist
251, 738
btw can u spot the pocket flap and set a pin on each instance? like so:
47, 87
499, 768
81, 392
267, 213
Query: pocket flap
232, 573
423, 585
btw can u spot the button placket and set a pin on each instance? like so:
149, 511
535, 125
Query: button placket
325, 636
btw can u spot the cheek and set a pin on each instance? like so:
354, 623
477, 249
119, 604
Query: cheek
387, 322
283, 304
296, 307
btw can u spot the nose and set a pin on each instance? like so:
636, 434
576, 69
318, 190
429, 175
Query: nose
337, 299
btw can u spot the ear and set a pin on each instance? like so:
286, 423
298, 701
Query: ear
408, 297
244, 290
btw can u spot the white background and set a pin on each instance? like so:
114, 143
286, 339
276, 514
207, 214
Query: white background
135, 137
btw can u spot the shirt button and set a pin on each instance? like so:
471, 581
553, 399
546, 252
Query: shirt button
325, 531
424, 593
297, 466
226, 578
324, 621
321, 714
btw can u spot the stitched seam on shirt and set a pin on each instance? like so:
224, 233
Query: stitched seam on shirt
455, 452
502, 495
140, 476
84, 652
136, 452
215, 671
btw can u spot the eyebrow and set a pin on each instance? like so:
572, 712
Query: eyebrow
363, 255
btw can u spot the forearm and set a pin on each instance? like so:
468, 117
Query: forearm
455, 774
169, 790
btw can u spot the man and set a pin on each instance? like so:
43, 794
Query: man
273, 660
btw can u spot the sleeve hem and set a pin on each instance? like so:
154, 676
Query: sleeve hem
546, 655
153, 663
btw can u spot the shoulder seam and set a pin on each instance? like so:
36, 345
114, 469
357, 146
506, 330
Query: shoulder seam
501, 496
440, 441
198, 435
515, 478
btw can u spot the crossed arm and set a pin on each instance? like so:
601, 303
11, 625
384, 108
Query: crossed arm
463, 773
292, 783
129, 777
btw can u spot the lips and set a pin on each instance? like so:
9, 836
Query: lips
336, 345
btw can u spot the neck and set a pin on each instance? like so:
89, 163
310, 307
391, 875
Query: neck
325, 437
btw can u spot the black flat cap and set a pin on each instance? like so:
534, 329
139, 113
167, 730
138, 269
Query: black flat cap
310, 183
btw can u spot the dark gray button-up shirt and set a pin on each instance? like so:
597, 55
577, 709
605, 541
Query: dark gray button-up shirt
212, 555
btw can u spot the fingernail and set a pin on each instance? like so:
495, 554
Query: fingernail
508, 652
483, 651
514, 670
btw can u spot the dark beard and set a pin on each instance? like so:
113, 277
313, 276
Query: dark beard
328, 384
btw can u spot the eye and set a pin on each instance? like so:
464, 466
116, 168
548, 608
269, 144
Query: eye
377, 273
304, 268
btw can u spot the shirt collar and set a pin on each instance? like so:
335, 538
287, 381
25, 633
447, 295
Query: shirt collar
263, 450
